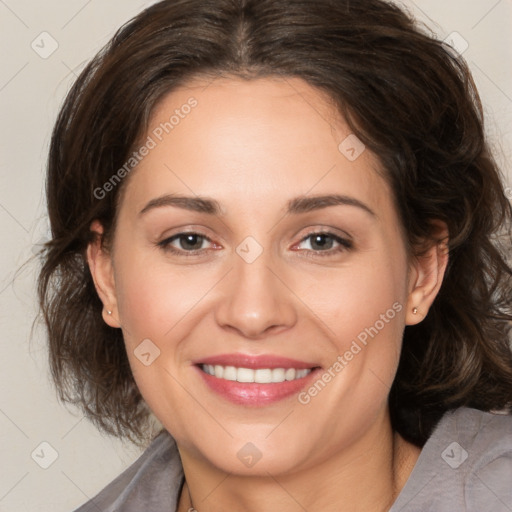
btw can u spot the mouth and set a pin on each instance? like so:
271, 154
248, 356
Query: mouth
260, 376
255, 380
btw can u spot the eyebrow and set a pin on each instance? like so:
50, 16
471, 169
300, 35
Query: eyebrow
302, 204
195, 204
309, 203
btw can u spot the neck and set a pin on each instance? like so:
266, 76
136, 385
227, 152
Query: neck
367, 476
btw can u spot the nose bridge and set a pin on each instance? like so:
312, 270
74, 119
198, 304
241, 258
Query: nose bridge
254, 299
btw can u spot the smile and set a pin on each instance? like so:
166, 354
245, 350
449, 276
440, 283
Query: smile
259, 376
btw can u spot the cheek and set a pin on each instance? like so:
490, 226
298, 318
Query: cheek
363, 306
153, 297
362, 297
156, 308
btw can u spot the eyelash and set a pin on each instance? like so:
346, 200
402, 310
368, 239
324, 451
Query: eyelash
344, 244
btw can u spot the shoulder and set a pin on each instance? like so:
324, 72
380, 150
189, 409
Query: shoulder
486, 438
154, 478
482, 437
466, 465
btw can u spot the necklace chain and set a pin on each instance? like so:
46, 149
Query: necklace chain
191, 508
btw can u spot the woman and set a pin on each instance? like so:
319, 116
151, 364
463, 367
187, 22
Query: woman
278, 228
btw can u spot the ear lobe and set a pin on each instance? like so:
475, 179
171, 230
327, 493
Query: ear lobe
427, 273
102, 271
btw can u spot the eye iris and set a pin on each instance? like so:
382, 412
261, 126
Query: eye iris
321, 241
191, 241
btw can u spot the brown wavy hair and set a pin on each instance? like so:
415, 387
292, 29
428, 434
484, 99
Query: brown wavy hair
410, 99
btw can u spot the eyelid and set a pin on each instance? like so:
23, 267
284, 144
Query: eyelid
344, 241
186, 229
327, 230
165, 243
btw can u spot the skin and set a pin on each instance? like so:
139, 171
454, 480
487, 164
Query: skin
253, 146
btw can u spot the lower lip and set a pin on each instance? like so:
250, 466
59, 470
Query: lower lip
253, 393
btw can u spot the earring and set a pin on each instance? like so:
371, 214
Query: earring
109, 312
414, 311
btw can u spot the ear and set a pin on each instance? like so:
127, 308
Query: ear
426, 274
102, 270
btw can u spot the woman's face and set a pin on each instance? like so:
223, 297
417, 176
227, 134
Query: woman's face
257, 233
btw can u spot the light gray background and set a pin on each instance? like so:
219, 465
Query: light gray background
31, 90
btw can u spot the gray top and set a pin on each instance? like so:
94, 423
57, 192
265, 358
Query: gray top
466, 465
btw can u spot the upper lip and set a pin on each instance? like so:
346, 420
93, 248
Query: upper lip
255, 362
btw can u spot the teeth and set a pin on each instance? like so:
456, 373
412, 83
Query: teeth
278, 375
229, 373
289, 374
261, 375
245, 375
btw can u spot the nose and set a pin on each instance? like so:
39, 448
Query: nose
255, 299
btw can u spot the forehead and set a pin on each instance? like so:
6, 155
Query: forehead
267, 139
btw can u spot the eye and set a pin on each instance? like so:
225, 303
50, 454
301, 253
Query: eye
183, 243
192, 244
325, 242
